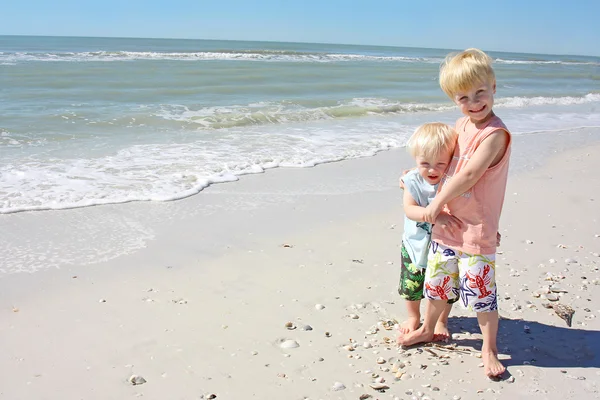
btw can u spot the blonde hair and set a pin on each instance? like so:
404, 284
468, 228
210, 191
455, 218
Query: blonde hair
463, 71
432, 139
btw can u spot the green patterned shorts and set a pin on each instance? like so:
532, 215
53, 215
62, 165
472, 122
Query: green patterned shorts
412, 278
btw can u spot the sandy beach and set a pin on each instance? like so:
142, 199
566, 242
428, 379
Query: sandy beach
284, 286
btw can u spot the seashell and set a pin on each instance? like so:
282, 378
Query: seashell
338, 386
565, 312
557, 289
353, 316
307, 328
319, 306
364, 396
379, 379
289, 344
399, 374
378, 386
381, 360
290, 325
136, 380
349, 347
367, 345
397, 366
551, 296
571, 261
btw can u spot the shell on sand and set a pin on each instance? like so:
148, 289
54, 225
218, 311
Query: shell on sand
289, 344
563, 311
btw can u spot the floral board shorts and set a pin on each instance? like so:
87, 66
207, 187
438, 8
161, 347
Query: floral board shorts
453, 274
412, 279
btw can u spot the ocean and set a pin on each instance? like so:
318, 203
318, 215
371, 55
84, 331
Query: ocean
89, 121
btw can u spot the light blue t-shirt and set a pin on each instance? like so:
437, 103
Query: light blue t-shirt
417, 235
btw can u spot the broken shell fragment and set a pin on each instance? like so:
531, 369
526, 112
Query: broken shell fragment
379, 386
551, 296
136, 380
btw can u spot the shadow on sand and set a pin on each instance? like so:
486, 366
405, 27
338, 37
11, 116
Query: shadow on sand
544, 346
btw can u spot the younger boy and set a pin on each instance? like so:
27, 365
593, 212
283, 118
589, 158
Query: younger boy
432, 146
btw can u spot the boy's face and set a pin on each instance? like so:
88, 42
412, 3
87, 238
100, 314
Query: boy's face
477, 102
432, 168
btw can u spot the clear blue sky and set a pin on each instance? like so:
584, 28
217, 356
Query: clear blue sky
540, 26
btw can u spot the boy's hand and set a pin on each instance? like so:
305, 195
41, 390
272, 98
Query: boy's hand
447, 221
401, 183
498, 238
431, 212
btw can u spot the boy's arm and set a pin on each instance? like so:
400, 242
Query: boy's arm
489, 153
415, 212
412, 209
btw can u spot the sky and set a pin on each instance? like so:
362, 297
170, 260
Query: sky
530, 26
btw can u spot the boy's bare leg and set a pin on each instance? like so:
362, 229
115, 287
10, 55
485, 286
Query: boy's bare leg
426, 332
488, 322
414, 316
441, 332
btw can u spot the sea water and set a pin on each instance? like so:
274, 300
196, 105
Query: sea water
88, 121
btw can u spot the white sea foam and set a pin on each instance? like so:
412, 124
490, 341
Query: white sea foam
7, 58
204, 56
169, 171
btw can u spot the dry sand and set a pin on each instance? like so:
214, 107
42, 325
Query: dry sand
194, 295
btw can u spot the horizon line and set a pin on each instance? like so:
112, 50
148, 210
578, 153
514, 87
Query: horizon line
291, 42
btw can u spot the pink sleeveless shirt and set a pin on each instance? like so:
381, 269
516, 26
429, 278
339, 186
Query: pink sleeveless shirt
479, 208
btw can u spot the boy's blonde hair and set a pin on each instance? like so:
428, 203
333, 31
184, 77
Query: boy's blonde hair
465, 70
432, 139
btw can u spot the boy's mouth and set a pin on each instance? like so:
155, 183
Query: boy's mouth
478, 111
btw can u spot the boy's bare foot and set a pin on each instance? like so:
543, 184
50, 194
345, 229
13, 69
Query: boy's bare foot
441, 332
407, 326
493, 366
414, 337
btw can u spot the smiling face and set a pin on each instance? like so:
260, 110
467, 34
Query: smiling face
477, 102
432, 168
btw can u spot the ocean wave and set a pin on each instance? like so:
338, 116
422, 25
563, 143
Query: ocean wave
223, 55
541, 101
279, 113
545, 62
10, 58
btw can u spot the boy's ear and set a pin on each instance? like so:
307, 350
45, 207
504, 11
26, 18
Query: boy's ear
494, 87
